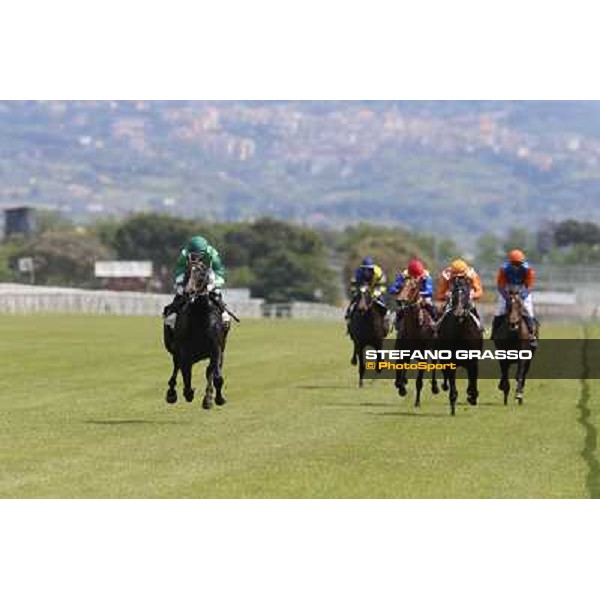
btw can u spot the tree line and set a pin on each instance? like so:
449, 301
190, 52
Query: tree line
563, 243
277, 260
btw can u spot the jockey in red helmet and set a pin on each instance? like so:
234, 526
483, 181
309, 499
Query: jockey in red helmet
416, 271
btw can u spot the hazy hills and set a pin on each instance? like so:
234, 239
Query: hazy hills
458, 167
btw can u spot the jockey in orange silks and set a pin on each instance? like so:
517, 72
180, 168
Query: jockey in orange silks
459, 268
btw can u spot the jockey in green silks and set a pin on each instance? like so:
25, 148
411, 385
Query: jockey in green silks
210, 256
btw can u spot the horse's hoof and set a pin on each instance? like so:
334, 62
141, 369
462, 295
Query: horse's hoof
171, 397
445, 387
402, 391
435, 389
472, 400
189, 395
520, 400
206, 404
219, 401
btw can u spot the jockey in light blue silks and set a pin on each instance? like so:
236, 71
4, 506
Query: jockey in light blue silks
515, 272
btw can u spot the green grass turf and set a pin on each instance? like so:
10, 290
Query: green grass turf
83, 415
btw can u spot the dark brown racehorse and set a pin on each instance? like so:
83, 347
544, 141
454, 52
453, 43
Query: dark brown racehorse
367, 328
513, 334
415, 331
199, 334
458, 330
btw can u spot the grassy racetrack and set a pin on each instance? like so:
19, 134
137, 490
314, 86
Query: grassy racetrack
83, 415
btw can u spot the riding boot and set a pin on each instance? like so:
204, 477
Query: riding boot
530, 322
386, 322
217, 298
171, 311
398, 321
349, 311
175, 305
226, 320
496, 324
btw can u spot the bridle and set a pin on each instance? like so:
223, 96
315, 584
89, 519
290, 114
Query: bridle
515, 306
410, 299
460, 298
365, 301
198, 277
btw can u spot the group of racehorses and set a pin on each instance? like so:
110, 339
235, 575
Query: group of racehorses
458, 328
199, 334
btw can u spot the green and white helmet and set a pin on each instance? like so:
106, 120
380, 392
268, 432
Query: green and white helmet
198, 245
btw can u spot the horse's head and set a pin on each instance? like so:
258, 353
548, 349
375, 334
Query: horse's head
198, 279
364, 299
410, 293
460, 297
514, 308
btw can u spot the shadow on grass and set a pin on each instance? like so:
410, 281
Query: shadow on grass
355, 404
410, 414
131, 422
325, 387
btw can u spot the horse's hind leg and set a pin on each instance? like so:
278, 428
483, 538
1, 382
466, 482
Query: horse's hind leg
171, 397
186, 373
504, 384
208, 392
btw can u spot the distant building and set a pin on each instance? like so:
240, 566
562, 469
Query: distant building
19, 220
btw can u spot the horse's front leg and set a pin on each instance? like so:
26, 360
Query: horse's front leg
401, 382
419, 387
218, 379
522, 368
172, 383
361, 366
354, 359
186, 373
472, 391
445, 385
434, 384
504, 384
450, 382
